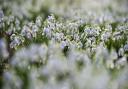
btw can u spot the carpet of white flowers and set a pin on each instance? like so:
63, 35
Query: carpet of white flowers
63, 44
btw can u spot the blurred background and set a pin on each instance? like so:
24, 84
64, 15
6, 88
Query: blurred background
66, 8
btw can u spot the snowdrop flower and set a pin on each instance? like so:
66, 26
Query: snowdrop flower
3, 49
51, 18
25, 30
73, 25
29, 32
11, 29
117, 36
47, 32
34, 30
126, 47
59, 26
50, 22
105, 36
108, 28
76, 37
59, 36
72, 28
91, 32
121, 52
17, 23
30, 24
38, 21
1, 18
63, 44
122, 28
16, 40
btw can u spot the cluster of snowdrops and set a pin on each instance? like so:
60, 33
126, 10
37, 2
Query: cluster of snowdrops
56, 50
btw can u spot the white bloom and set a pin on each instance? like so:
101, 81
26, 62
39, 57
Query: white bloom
3, 49
105, 36
34, 30
126, 48
38, 21
51, 18
47, 32
91, 32
121, 52
59, 36
25, 30
16, 40
63, 44
122, 28
30, 24
29, 32
108, 28
76, 37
